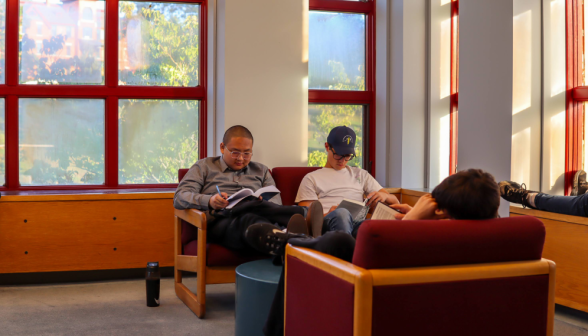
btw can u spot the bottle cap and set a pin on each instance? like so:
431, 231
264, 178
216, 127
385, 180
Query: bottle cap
153, 265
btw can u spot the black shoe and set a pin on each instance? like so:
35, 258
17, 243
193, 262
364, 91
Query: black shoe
297, 224
580, 184
315, 218
267, 238
514, 192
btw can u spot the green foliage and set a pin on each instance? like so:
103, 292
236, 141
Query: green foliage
155, 137
169, 54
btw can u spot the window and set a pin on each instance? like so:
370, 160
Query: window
87, 33
87, 14
73, 120
341, 76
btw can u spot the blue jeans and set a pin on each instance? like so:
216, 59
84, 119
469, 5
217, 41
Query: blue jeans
341, 220
567, 205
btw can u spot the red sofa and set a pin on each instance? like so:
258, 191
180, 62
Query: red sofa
214, 263
426, 278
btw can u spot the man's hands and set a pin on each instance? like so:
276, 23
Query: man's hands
217, 202
403, 208
425, 208
381, 196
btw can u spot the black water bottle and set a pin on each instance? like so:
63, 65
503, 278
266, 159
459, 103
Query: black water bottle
152, 278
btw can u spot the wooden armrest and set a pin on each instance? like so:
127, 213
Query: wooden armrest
192, 216
334, 266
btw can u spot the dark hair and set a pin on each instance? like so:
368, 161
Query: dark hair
468, 194
237, 131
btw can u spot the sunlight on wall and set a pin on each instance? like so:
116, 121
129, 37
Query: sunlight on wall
444, 129
522, 62
521, 157
445, 2
445, 59
558, 47
557, 142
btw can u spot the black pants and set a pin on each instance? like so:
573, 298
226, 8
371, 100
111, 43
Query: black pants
338, 244
228, 227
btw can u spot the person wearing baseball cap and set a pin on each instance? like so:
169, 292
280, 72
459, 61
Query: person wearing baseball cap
338, 181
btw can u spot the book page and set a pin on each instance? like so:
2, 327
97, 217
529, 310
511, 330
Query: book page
268, 189
384, 212
240, 194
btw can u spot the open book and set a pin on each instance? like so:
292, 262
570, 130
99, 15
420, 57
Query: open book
359, 210
384, 212
266, 193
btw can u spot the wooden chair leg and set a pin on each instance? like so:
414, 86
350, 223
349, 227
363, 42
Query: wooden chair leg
196, 302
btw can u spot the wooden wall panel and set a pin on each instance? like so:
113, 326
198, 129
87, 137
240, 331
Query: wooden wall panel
83, 235
565, 244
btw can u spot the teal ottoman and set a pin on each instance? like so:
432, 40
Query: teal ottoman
256, 285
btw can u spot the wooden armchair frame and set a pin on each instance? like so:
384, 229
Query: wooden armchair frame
206, 275
364, 280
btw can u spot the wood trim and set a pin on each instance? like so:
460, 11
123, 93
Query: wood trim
177, 248
220, 275
194, 217
202, 269
459, 273
572, 304
411, 192
363, 305
87, 197
551, 298
190, 300
186, 263
334, 266
548, 215
394, 190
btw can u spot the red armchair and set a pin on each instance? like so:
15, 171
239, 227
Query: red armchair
213, 263
426, 278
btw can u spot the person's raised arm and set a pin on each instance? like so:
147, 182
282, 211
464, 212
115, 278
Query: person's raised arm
188, 194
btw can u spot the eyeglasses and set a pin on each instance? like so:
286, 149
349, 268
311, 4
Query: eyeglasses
236, 154
338, 157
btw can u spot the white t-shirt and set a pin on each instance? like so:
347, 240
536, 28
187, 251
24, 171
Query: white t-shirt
330, 186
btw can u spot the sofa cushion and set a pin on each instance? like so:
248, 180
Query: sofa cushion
397, 244
288, 181
217, 255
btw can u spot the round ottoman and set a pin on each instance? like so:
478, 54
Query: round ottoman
256, 285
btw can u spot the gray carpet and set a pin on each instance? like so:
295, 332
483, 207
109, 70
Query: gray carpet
118, 308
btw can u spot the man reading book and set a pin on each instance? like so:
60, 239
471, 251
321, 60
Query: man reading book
338, 181
209, 183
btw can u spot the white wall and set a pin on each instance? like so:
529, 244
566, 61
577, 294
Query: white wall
262, 76
554, 88
485, 87
526, 104
408, 92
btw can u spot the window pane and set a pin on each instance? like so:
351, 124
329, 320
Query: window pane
48, 29
2, 46
158, 43
61, 141
156, 138
336, 46
2, 144
322, 119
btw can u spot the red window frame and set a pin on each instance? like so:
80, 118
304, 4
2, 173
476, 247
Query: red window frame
454, 87
110, 92
367, 97
576, 92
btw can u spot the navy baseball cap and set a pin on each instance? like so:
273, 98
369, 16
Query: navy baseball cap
342, 139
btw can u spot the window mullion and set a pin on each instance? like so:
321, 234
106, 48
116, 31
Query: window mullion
12, 155
111, 146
